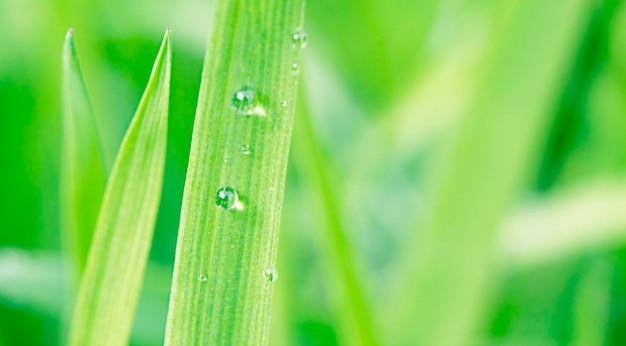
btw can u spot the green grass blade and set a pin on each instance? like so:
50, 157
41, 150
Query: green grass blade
83, 174
343, 279
593, 303
220, 293
563, 225
112, 280
488, 163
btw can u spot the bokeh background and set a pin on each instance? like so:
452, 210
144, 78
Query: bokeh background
384, 86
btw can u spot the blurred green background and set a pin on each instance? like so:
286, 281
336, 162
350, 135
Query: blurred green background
385, 85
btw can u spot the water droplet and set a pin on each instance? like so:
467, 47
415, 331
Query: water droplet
227, 198
271, 274
246, 102
283, 103
299, 38
295, 69
245, 149
202, 277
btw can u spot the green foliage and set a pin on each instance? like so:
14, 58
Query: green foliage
83, 174
228, 235
592, 303
110, 286
355, 317
457, 173
480, 179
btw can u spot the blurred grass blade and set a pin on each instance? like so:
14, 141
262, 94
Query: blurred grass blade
32, 280
223, 275
342, 279
489, 160
376, 45
593, 303
112, 280
83, 174
565, 224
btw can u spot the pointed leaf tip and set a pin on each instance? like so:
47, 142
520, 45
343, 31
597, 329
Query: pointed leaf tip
166, 42
165, 45
69, 37
111, 283
83, 174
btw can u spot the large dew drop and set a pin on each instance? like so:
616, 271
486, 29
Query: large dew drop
271, 274
227, 198
246, 102
299, 38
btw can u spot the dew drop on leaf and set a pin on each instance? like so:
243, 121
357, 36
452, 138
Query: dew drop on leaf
295, 69
299, 38
246, 102
245, 149
283, 103
202, 277
227, 198
271, 274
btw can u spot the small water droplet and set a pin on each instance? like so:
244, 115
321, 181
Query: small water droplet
299, 38
245, 149
202, 277
295, 69
271, 274
283, 103
227, 198
246, 102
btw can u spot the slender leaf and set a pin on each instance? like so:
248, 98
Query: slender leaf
593, 303
112, 280
564, 225
353, 308
488, 162
83, 174
223, 275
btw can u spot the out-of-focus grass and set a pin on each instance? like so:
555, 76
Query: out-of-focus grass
83, 173
387, 85
488, 161
118, 255
354, 316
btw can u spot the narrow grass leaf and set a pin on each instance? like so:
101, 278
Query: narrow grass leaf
592, 304
357, 327
488, 163
110, 286
83, 174
226, 253
565, 224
